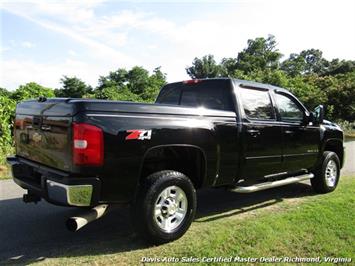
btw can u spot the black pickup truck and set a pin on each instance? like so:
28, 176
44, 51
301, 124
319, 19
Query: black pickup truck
240, 135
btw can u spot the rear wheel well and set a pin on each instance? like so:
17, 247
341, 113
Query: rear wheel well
185, 159
337, 147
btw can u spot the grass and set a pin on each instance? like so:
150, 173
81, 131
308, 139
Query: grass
309, 226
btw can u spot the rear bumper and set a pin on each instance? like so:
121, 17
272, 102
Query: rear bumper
55, 186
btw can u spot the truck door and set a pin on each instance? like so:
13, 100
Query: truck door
300, 139
261, 144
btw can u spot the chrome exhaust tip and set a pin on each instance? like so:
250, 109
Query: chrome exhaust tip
74, 223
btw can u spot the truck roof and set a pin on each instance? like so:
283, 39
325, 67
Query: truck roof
246, 83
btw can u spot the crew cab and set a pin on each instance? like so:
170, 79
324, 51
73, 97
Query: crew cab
235, 134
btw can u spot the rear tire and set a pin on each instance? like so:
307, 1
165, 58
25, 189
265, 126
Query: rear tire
326, 175
164, 207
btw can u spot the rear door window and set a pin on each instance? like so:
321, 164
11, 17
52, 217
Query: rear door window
257, 104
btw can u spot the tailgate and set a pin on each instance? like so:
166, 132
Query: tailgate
44, 138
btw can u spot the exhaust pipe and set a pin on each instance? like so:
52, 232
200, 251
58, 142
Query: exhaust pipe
76, 222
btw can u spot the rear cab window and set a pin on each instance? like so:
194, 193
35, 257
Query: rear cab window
210, 94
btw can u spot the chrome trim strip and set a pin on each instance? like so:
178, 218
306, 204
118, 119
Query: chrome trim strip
300, 154
160, 117
263, 157
284, 155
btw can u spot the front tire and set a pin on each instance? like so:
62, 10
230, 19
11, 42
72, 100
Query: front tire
326, 175
165, 206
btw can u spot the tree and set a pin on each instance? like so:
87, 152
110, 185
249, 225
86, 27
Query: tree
31, 90
295, 65
133, 85
204, 68
314, 61
116, 78
307, 91
5, 92
340, 67
72, 87
340, 92
228, 67
260, 54
112, 93
308, 62
7, 113
138, 80
156, 81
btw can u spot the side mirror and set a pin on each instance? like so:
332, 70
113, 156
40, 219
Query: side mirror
309, 118
319, 114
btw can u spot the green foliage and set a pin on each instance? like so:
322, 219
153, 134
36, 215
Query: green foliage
7, 108
113, 93
260, 54
228, 68
312, 78
309, 94
133, 85
8, 102
341, 96
295, 65
340, 67
5, 92
311, 61
204, 68
72, 87
348, 128
31, 90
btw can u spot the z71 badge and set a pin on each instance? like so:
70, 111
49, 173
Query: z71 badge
140, 134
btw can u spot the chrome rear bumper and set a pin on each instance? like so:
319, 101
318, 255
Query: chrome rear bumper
54, 186
74, 195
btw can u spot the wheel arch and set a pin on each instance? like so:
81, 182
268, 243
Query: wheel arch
335, 145
187, 159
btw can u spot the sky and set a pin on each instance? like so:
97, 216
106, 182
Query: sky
41, 41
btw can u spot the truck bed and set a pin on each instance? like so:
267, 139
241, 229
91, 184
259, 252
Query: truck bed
43, 130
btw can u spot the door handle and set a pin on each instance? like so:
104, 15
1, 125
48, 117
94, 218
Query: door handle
254, 132
289, 132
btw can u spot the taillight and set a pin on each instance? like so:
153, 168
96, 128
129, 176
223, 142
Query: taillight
88, 145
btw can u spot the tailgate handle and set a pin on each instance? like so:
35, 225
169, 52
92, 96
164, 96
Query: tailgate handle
46, 127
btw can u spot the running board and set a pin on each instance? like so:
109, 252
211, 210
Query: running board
267, 185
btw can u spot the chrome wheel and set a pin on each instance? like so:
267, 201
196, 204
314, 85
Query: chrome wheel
170, 208
331, 173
